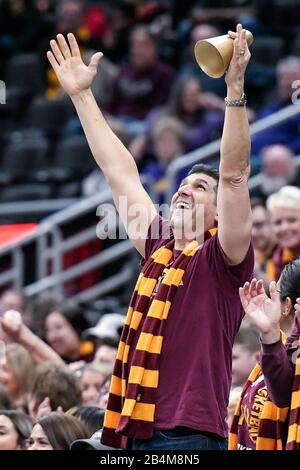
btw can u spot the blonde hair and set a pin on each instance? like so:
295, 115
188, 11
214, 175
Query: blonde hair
170, 124
287, 197
21, 364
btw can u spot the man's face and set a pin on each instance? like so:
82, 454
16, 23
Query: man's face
261, 228
193, 207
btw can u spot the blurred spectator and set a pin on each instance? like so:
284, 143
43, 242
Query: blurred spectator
91, 416
142, 84
88, 23
191, 68
263, 240
286, 132
103, 394
168, 140
40, 308
106, 355
278, 16
15, 429
245, 355
63, 328
15, 300
16, 331
56, 432
16, 374
4, 399
201, 113
17, 18
106, 335
92, 378
278, 170
234, 396
121, 20
284, 207
54, 385
109, 327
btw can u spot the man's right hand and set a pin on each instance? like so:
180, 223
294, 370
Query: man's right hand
73, 75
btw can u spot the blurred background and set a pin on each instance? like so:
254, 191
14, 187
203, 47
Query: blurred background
165, 110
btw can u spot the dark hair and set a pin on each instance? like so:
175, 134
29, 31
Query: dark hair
290, 281
206, 170
75, 316
91, 416
4, 399
174, 104
143, 28
257, 202
58, 383
61, 430
22, 423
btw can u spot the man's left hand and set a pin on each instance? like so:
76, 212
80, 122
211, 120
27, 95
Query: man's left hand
240, 58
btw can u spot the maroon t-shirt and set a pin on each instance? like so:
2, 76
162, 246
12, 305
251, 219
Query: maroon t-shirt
195, 363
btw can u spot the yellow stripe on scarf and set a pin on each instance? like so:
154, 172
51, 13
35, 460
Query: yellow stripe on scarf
118, 386
140, 411
294, 433
173, 277
123, 352
150, 343
159, 309
295, 400
146, 377
111, 419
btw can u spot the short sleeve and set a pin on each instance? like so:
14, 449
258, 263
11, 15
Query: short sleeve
229, 276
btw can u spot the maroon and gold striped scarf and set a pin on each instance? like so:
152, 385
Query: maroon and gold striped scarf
131, 404
271, 430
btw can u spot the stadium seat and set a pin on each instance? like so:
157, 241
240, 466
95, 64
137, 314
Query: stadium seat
267, 50
72, 160
26, 192
296, 47
24, 74
50, 116
22, 159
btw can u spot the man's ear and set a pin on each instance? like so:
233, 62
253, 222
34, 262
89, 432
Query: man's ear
287, 307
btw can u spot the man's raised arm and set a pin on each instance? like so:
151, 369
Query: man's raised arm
116, 163
234, 212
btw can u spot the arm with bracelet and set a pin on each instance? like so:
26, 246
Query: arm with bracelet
234, 211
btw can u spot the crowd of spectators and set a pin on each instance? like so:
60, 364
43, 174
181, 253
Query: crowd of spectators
148, 75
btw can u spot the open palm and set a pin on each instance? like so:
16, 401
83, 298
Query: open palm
73, 75
263, 312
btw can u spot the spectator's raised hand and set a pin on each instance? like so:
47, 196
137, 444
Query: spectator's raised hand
45, 409
73, 75
11, 324
262, 311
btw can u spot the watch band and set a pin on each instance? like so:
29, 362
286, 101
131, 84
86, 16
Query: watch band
238, 103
